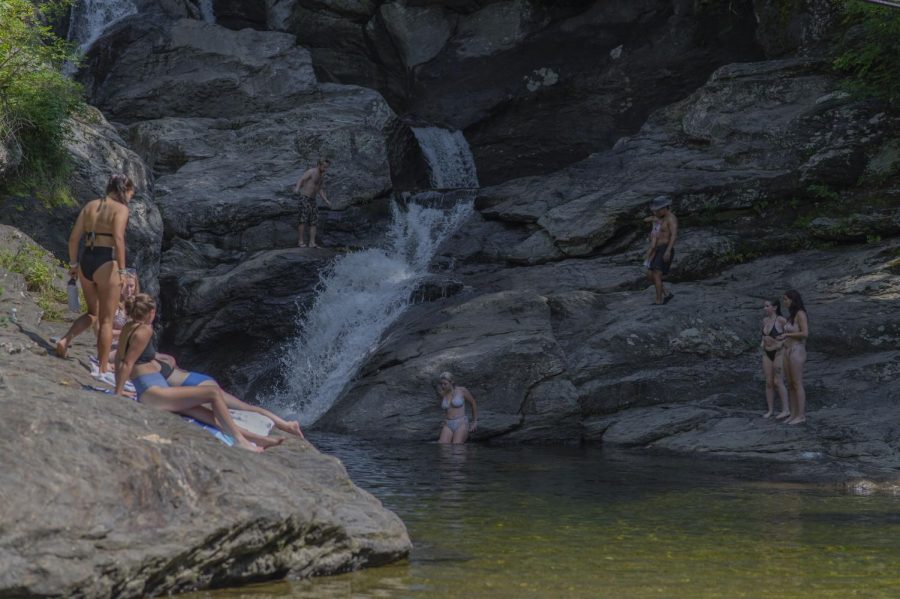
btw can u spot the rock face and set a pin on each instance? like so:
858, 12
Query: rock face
109, 498
534, 85
228, 121
553, 330
97, 151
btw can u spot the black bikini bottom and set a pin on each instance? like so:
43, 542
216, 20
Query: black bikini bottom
771, 354
93, 258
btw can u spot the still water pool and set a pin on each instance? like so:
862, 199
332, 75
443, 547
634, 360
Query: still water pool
557, 522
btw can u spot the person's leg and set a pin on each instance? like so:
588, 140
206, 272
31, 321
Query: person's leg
446, 435
778, 375
461, 433
234, 403
81, 324
768, 369
301, 230
312, 236
797, 358
657, 283
179, 399
109, 290
789, 380
206, 416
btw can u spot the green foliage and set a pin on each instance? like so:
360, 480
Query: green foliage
36, 99
869, 55
823, 192
40, 270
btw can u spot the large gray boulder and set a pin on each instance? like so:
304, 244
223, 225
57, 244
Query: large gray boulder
150, 68
109, 498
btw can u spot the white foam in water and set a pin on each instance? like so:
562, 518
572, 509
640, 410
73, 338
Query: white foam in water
359, 297
90, 18
449, 158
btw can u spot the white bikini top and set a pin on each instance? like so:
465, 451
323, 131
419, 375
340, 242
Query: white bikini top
456, 401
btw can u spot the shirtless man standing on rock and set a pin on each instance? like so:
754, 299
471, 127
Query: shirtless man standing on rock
310, 186
665, 247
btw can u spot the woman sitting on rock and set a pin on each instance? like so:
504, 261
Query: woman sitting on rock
456, 427
135, 360
184, 378
796, 331
773, 359
101, 223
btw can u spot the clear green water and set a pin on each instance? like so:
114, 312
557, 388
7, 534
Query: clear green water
552, 522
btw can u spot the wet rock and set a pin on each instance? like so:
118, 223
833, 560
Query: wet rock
10, 157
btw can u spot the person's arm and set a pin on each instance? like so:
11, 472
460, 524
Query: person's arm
120, 222
136, 342
324, 197
468, 397
673, 237
74, 239
802, 326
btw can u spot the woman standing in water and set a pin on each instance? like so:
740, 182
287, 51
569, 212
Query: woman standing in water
456, 427
135, 360
796, 331
101, 223
773, 358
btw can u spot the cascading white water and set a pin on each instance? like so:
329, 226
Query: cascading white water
449, 158
90, 18
207, 11
359, 296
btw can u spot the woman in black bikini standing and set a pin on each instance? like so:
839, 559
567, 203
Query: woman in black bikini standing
772, 359
796, 331
101, 223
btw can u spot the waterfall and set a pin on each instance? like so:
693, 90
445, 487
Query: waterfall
358, 298
207, 11
90, 18
449, 158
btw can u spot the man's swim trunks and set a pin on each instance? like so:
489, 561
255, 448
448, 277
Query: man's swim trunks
309, 214
657, 262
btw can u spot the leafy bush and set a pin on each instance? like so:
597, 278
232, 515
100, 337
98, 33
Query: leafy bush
36, 99
869, 54
41, 272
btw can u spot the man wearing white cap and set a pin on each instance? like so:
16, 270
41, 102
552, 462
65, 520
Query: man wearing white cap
665, 247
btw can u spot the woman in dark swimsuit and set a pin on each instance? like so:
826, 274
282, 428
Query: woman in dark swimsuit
772, 358
101, 223
796, 331
136, 360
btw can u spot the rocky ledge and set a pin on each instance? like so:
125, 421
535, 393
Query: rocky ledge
103, 497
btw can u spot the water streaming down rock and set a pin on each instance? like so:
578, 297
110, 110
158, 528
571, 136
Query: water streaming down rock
90, 18
449, 158
359, 296
207, 11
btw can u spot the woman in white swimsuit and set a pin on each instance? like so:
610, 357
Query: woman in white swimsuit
456, 427
796, 331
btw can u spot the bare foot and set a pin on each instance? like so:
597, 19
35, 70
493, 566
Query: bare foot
266, 443
300, 244
767, 414
292, 427
244, 444
62, 348
781, 415
312, 245
800, 420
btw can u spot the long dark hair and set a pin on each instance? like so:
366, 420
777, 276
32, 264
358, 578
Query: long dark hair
777, 304
118, 186
796, 303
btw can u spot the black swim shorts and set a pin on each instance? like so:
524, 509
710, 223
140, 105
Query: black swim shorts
657, 262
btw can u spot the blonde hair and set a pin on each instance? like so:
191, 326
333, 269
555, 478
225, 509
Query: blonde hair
139, 306
446, 376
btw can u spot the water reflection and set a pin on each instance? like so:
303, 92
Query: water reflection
568, 522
